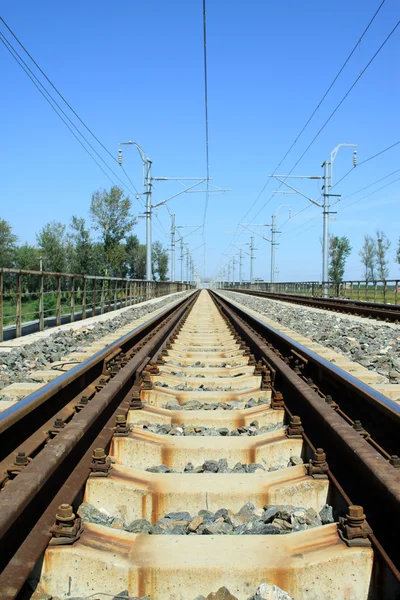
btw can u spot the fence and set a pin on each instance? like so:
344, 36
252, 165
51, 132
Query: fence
387, 292
40, 299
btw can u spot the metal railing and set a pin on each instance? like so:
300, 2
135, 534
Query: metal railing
43, 298
386, 292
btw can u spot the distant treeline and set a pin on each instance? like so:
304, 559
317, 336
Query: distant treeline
114, 252
373, 255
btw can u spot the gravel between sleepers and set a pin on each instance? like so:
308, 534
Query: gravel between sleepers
373, 345
17, 366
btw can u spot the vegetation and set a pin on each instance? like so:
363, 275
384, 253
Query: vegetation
339, 251
114, 252
368, 257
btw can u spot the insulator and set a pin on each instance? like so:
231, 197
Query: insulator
355, 158
120, 157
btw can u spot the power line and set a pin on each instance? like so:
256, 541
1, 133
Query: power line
53, 107
349, 196
336, 108
313, 113
206, 109
14, 53
58, 92
365, 161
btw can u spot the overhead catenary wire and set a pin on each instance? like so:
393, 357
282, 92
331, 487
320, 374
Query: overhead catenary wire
309, 120
206, 111
365, 161
337, 107
345, 198
58, 92
55, 110
46, 94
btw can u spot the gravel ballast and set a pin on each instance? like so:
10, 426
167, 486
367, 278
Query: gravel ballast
222, 466
198, 405
271, 519
201, 430
19, 365
373, 345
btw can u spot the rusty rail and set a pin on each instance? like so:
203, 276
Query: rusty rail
81, 296
383, 312
363, 473
62, 466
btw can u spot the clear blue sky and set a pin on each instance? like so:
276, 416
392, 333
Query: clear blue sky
134, 70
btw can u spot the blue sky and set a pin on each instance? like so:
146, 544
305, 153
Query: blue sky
134, 70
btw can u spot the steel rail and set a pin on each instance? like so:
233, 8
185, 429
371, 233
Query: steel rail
362, 472
25, 418
60, 470
379, 415
384, 312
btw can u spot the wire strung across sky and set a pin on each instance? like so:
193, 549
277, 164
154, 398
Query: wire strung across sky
206, 124
305, 127
58, 109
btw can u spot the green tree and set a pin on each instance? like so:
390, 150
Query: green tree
54, 247
159, 260
398, 252
382, 246
27, 258
368, 257
132, 255
82, 256
339, 251
7, 244
111, 216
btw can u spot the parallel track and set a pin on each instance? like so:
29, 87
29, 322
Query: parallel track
371, 310
135, 384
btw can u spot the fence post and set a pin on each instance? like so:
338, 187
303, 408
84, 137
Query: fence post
102, 297
72, 300
1, 307
396, 283
126, 292
84, 298
58, 301
94, 298
116, 294
109, 294
41, 303
18, 307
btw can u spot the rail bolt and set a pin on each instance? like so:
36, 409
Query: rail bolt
329, 400
357, 426
136, 403
121, 426
318, 467
21, 460
295, 428
101, 463
395, 461
353, 529
67, 528
277, 400
65, 514
99, 455
58, 423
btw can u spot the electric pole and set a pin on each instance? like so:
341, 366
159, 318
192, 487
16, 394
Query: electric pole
181, 259
251, 257
327, 184
172, 246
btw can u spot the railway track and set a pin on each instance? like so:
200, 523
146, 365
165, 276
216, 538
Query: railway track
195, 453
372, 310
